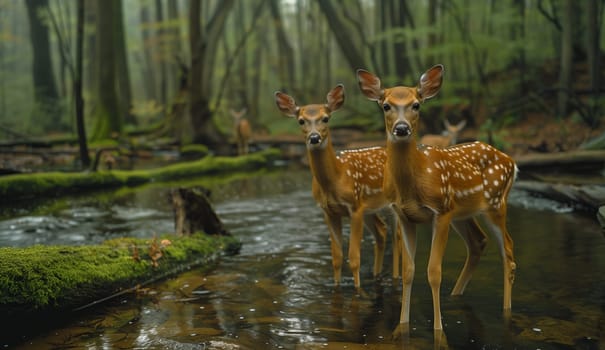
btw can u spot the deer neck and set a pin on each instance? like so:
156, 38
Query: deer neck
325, 167
405, 164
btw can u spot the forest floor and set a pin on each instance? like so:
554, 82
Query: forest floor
541, 134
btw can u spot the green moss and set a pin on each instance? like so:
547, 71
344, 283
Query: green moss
194, 151
53, 183
62, 277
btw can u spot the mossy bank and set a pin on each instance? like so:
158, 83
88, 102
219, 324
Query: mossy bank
43, 282
52, 183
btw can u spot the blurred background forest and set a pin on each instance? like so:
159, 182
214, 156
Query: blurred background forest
525, 74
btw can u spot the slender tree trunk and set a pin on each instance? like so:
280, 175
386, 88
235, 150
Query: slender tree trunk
432, 36
123, 73
519, 36
47, 111
147, 66
594, 57
77, 86
161, 48
286, 52
242, 76
175, 45
108, 122
565, 72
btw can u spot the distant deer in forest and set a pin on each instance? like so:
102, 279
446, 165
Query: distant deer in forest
243, 130
449, 137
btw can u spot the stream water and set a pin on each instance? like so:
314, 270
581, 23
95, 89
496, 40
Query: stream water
278, 292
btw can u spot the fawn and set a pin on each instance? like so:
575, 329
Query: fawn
243, 131
442, 186
449, 138
344, 185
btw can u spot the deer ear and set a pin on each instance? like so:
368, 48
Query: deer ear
370, 85
336, 98
286, 104
430, 82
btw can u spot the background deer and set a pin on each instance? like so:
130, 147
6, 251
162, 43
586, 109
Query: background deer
347, 185
243, 131
449, 137
442, 186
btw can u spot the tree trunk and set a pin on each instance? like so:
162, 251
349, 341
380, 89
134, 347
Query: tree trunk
193, 212
594, 58
123, 73
77, 86
286, 53
175, 46
351, 53
47, 111
108, 122
203, 57
565, 72
161, 48
147, 64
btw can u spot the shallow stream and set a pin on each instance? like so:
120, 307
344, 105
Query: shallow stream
278, 292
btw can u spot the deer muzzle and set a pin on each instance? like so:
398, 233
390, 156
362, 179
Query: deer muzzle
402, 130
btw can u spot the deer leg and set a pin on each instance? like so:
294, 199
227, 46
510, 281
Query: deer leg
441, 225
355, 245
397, 246
475, 240
377, 227
334, 223
497, 221
408, 252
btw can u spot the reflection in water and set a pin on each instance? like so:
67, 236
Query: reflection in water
278, 292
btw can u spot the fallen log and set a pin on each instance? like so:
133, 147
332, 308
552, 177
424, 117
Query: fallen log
579, 161
589, 197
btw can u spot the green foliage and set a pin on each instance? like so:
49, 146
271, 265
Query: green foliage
64, 277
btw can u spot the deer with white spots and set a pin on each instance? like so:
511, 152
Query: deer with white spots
242, 129
347, 185
449, 137
441, 186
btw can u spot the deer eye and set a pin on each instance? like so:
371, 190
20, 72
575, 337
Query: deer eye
301, 121
386, 107
416, 106
325, 119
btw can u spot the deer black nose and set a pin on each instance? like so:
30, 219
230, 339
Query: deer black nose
402, 129
314, 138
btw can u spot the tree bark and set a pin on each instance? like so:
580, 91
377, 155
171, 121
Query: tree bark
566, 62
123, 73
161, 48
352, 54
108, 122
48, 111
594, 57
203, 56
77, 86
286, 67
147, 64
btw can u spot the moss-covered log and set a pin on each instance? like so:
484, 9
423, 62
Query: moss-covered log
53, 183
49, 279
